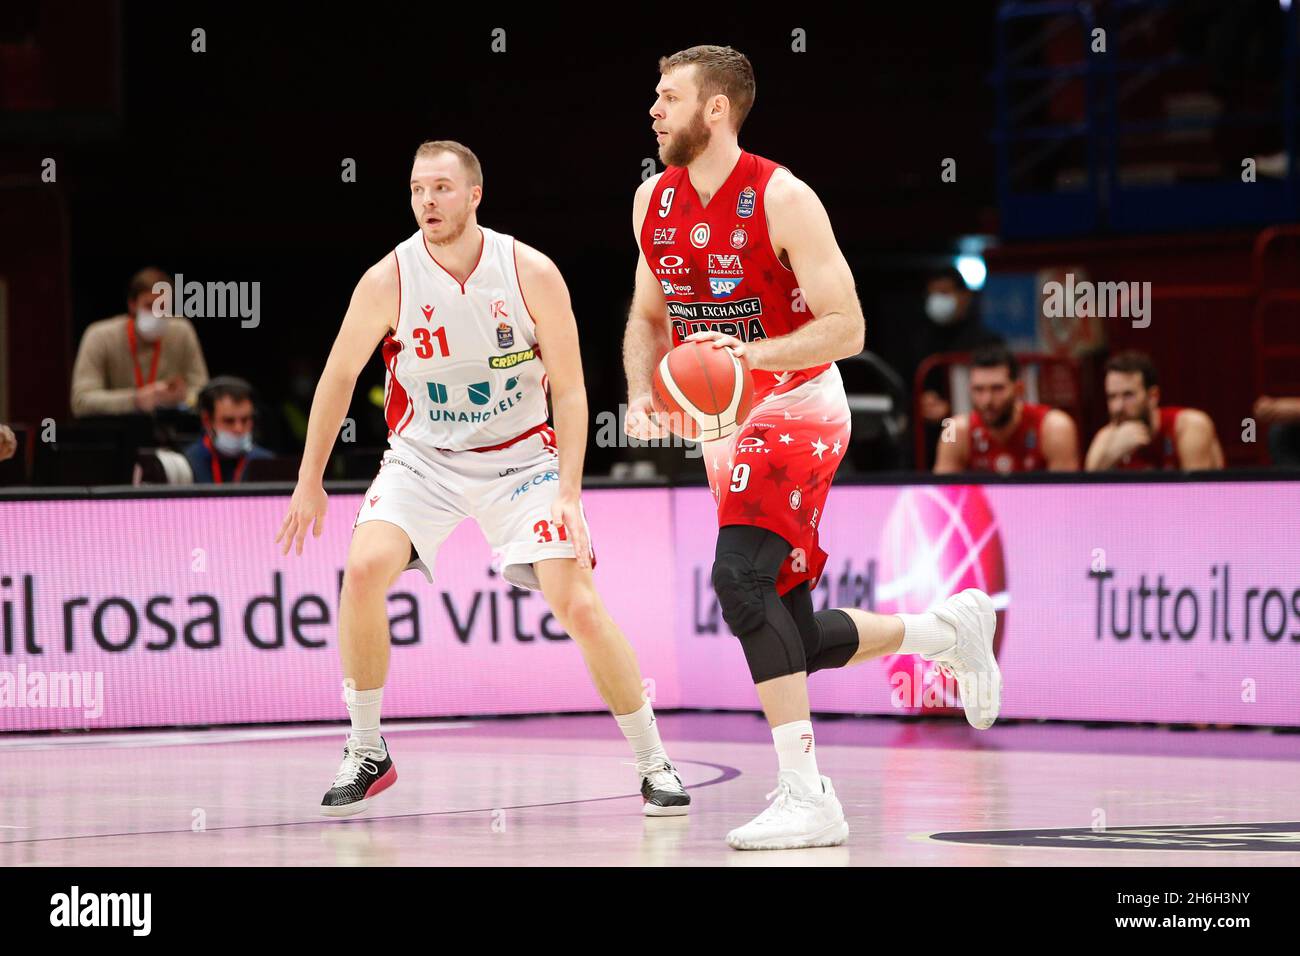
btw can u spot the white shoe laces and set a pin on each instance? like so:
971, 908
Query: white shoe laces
785, 802
664, 777
354, 761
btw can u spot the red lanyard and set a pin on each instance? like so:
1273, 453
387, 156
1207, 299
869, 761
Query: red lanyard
135, 362
216, 468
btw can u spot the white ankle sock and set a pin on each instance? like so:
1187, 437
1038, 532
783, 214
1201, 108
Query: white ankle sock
925, 634
363, 708
796, 752
642, 732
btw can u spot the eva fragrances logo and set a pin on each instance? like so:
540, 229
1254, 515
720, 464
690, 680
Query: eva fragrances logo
77, 909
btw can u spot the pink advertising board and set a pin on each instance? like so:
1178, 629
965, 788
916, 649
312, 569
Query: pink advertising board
184, 611
1152, 602
1175, 602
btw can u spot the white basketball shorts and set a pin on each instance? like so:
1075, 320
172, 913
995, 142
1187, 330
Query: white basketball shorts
509, 492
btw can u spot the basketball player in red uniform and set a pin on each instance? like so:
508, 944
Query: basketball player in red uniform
465, 314
1142, 435
737, 251
1003, 433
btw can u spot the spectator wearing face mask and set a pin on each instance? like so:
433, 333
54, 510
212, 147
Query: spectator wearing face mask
139, 361
952, 324
223, 453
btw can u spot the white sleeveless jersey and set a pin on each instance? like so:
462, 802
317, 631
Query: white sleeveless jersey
464, 371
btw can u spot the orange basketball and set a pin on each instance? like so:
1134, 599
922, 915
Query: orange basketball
701, 392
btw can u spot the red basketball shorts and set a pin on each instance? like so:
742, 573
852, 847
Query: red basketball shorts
775, 471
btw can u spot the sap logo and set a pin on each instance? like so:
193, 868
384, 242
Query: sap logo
536, 480
665, 236
722, 287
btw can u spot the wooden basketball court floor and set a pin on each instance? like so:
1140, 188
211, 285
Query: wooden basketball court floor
561, 791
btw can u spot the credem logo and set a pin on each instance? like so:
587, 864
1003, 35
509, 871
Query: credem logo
103, 909
511, 360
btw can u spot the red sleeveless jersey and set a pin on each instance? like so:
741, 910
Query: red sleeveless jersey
1021, 451
717, 267
1161, 454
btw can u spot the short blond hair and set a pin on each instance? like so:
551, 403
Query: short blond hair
466, 156
720, 69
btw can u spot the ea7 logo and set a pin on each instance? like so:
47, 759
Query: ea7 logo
132, 910
665, 235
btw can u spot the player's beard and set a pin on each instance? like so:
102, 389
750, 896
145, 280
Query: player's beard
685, 146
457, 229
1143, 415
998, 420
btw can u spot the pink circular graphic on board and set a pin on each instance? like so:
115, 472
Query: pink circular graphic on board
937, 540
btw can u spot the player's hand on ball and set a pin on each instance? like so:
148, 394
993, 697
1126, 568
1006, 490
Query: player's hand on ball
719, 341
641, 422
306, 510
567, 513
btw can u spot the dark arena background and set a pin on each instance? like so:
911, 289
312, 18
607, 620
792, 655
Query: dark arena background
1108, 190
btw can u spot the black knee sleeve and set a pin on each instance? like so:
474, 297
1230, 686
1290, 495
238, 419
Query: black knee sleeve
830, 638
739, 588
744, 579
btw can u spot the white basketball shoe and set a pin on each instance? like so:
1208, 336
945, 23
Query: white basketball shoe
797, 818
970, 661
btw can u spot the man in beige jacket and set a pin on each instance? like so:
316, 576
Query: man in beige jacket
138, 362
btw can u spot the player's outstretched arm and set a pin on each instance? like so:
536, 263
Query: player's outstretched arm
1060, 441
371, 314
548, 302
646, 338
952, 450
799, 226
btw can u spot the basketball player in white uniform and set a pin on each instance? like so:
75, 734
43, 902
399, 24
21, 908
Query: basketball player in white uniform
465, 315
